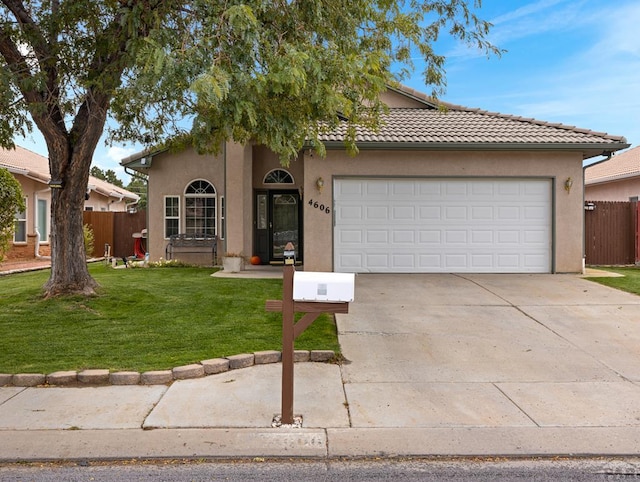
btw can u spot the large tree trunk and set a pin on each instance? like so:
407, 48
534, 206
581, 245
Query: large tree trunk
70, 156
69, 272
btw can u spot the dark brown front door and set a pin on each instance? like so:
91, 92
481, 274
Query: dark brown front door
278, 219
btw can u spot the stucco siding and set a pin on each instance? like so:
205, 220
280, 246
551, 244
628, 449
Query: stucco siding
567, 206
171, 174
613, 190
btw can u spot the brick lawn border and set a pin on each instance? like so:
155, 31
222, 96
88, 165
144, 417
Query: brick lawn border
160, 377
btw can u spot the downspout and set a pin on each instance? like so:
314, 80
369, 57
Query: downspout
226, 198
37, 243
119, 198
144, 179
129, 206
584, 224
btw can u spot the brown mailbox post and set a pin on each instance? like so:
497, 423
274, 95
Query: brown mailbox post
291, 330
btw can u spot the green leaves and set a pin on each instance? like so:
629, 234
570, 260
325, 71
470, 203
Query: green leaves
11, 201
268, 70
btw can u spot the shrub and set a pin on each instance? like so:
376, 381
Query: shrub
11, 201
89, 240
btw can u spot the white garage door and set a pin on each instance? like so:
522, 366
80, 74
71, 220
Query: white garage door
442, 225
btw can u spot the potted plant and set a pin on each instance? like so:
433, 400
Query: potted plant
232, 262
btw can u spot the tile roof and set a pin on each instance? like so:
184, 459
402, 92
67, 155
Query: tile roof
441, 124
623, 165
470, 126
28, 163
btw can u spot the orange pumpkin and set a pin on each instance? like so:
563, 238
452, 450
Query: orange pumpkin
255, 260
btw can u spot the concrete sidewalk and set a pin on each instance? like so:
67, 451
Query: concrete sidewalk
458, 365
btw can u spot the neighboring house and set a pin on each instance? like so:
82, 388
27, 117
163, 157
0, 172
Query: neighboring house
31, 237
616, 179
461, 190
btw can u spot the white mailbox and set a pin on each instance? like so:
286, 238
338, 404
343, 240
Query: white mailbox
318, 286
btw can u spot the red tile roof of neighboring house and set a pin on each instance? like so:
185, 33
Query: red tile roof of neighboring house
623, 165
34, 166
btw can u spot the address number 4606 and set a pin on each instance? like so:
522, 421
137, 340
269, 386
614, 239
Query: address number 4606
317, 205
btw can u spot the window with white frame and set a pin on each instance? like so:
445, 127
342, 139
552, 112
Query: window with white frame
43, 220
20, 231
171, 215
278, 176
223, 226
200, 208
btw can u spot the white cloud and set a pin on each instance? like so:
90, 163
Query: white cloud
109, 158
587, 73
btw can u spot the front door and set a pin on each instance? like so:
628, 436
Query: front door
277, 221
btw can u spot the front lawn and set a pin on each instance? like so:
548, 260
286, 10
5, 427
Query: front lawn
143, 319
629, 282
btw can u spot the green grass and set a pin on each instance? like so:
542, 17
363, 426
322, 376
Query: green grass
141, 320
630, 282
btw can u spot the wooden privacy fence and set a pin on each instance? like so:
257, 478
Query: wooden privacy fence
611, 232
116, 229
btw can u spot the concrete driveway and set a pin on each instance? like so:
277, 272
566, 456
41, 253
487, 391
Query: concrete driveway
446, 350
439, 365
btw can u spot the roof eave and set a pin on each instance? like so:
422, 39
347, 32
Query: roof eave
141, 159
36, 176
588, 149
613, 178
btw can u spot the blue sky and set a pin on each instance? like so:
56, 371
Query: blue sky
571, 61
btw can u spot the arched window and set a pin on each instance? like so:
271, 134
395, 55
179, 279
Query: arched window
278, 176
200, 208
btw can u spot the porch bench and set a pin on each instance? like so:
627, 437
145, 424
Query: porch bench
192, 243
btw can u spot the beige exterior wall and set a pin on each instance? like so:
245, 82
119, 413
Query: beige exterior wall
170, 174
98, 202
613, 191
567, 210
396, 100
239, 212
32, 190
247, 166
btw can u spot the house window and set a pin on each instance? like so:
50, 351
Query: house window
43, 223
223, 226
200, 208
20, 232
278, 176
171, 215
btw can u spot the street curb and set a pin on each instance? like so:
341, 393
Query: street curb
159, 377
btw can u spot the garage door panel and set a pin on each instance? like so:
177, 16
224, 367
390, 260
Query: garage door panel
405, 190
443, 225
349, 213
404, 237
482, 213
508, 237
429, 191
377, 237
429, 236
429, 212
482, 237
351, 236
455, 213
455, 189
377, 213
379, 189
